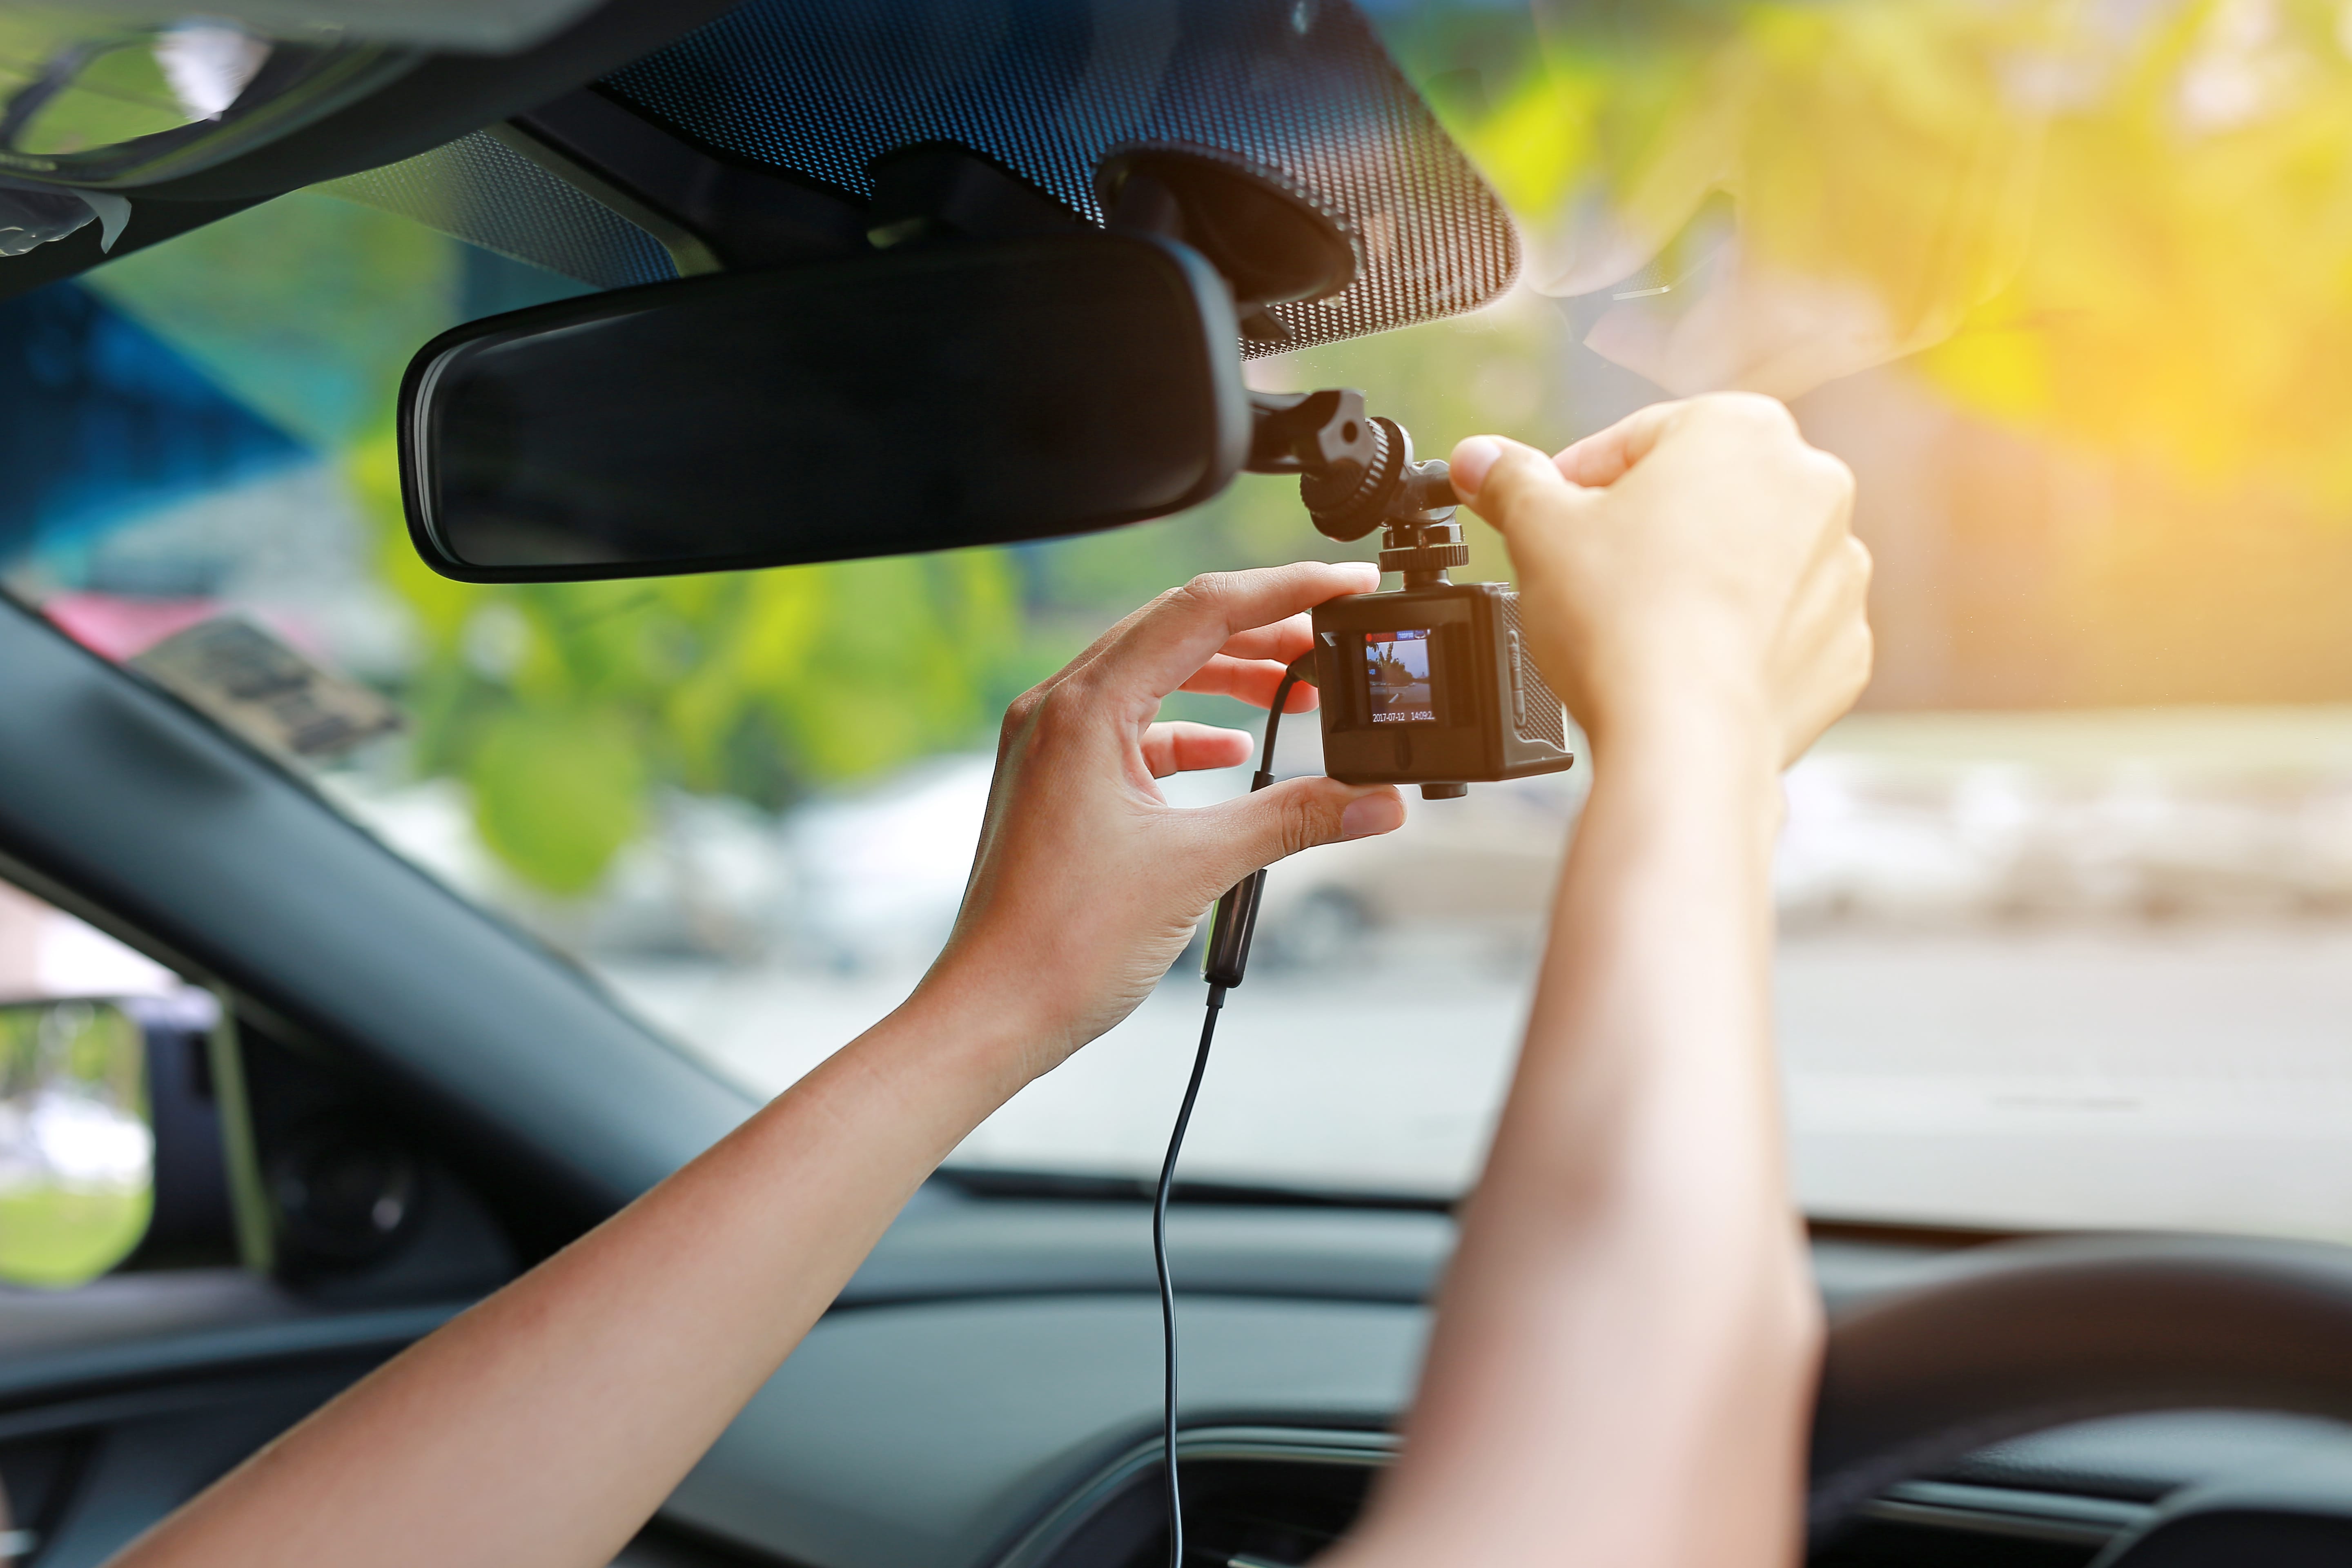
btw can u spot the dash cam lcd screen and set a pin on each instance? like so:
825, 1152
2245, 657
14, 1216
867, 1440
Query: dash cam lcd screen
1396, 670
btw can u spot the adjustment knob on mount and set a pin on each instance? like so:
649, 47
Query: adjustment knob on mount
1434, 545
1347, 500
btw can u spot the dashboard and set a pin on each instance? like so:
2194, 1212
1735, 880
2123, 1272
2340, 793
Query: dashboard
986, 1395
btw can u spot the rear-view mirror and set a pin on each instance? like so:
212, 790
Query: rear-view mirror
968, 393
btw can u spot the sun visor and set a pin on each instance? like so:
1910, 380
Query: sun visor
125, 95
485, 26
816, 89
101, 101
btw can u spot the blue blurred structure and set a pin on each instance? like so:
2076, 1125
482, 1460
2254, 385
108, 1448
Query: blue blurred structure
101, 420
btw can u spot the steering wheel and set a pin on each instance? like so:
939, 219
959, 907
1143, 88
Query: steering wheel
2006, 1339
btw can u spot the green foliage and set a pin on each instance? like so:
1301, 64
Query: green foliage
564, 706
57, 1237
119, 96
55, 1231
115, 92
93, 1049
557, 790
2131, 233
561, 705
2187, 301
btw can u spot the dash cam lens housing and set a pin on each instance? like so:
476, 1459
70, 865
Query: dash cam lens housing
1432, 685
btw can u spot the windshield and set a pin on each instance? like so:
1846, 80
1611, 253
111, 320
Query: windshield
2066, 908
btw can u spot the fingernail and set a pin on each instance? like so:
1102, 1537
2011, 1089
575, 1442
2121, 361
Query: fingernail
1472, 459
1370, 815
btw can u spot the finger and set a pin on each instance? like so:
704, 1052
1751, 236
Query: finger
1174, 746
1092, 652
1158, 650
1251, 680
1844, 671
1281, 640
1261, 827
1512, 479
1607, 456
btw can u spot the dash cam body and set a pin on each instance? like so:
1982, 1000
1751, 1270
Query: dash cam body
1432, 686
1430, 683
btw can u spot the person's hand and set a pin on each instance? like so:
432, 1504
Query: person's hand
1088, 883
1695, 552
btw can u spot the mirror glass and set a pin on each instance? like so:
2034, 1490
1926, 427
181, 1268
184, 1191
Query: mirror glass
964, 393
77, 1157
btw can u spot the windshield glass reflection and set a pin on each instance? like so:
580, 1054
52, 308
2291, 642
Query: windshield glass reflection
2066, 909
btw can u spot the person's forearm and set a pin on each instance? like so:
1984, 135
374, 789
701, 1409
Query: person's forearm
1628, 1325
542, 1429
544, 1426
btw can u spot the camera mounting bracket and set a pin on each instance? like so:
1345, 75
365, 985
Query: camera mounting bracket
944, 190
1356, 473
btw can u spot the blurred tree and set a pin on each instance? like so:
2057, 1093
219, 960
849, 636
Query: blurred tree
65, 1226
2124, 229
2130, 229
2187, 297
562, 705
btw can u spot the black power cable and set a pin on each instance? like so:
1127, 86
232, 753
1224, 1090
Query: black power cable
1228, 955
1167, 1291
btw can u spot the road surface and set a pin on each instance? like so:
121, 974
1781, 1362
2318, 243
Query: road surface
2130, 1076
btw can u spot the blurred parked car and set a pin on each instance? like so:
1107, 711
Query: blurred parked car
1483, 865
881, 873
2181, 819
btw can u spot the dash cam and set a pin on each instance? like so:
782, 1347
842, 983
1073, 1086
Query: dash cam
1429, 683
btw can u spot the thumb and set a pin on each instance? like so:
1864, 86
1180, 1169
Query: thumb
1509, 482
1282, 819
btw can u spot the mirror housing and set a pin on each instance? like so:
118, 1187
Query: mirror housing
933, 396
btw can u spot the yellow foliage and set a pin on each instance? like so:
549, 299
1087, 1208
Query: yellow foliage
2128, 230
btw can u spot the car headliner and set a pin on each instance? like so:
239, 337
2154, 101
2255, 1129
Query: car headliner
779, 104
445, 96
